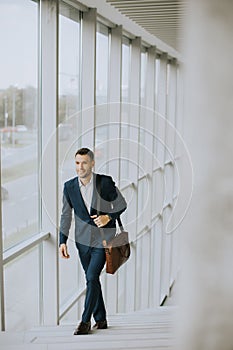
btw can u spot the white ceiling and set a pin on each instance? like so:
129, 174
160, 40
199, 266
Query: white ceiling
156, 22
162, 18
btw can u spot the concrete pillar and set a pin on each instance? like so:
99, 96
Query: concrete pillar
207, 277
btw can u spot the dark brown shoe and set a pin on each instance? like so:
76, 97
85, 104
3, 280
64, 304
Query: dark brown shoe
101, 325
83, 328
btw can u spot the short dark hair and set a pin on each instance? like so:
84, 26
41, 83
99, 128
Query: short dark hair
83, 151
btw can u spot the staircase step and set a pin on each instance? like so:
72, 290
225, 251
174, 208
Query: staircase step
148, 329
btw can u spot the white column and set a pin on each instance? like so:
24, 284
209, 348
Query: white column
2, 302
114, 145
134, 93
147, 122
159, 130
88, 69
114, 99
169, 173
170, 180
178, 123
49, 161
134, 99
161, 108
207, 283
170, 131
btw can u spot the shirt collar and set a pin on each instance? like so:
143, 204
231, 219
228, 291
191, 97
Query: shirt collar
89, 183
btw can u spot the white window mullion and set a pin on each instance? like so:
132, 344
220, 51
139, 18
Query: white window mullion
88, 69
147, 122
2, 302
132, 296
49, 163
170, 169
114, 99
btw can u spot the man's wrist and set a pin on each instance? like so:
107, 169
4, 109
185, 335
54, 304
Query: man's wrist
109, 217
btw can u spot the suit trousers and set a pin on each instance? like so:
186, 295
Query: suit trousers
93, 261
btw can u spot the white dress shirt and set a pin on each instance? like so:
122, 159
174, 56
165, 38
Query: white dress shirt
87, 192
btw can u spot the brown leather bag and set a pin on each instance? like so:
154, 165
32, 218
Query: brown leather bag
117, 251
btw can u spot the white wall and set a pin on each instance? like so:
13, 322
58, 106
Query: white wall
206, 291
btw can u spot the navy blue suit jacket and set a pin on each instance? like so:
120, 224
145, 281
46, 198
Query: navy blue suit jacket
86, 232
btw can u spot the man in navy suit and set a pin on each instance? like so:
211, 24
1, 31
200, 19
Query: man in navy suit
81, 196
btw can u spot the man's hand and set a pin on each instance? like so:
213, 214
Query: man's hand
101, 220
63, 251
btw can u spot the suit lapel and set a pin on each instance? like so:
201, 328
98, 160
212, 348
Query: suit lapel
79, 199
94, 197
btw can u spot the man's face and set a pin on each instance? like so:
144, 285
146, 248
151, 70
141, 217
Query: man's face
84, 165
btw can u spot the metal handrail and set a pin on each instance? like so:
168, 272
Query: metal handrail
22, 247
131, 184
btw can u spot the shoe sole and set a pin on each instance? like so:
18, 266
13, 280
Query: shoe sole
100, 327
81, 333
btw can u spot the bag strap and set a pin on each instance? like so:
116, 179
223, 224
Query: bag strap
120, 224
98, 203
98, 206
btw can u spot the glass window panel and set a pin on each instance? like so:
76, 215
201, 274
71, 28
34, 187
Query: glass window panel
125, 129
125, 70
142, 132
143, 197
143, 77
157, 70
168, 183
71, 277
165, 257
69, 127
102, 58
158, 192
69, 130
128, 194
71, 316
102, 115
22, 292
168, 77
19, 119
69, 69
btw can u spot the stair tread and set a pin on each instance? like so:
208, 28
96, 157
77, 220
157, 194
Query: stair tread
149, 329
